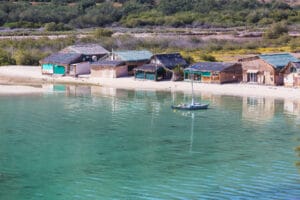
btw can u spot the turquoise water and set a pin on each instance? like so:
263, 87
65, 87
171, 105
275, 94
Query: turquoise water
101, 143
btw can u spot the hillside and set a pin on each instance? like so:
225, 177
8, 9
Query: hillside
290, 2
67, 14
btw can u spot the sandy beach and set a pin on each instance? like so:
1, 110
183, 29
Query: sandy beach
30, 75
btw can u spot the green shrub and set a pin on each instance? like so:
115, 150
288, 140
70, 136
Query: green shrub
52, 26
102, 32
5, 58
276, 30
207, 57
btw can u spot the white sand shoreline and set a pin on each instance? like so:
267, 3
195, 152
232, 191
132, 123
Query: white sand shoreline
19, 75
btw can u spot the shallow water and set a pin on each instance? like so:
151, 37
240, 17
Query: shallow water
103, 143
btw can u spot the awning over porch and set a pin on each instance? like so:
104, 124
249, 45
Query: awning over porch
252, 71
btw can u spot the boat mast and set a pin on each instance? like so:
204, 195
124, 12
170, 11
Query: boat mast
193, 101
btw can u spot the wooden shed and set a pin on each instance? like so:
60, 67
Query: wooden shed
169, 61
132, 58
214, 72
81, 68
161, 67
149, 72
265, 68
90, 52
109, 69
59, 63
291, 74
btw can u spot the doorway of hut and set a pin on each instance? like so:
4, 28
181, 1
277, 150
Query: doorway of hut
59, 70
252, 77
195, 76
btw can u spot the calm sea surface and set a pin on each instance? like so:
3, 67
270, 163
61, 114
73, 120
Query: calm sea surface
101, 143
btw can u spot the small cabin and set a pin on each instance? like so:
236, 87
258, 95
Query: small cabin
81, 68
150, 72
291, 74
161, 67
109, 69
59, 63
214, 72
265, 69
132, 58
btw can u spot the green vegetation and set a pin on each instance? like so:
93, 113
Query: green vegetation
206, 57
30, 51
134, 13
101, 32
276, 31
52, 26
193, 49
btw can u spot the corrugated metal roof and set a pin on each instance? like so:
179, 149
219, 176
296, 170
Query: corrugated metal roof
278, 60
111, 63
62, 58
210, 66
86, 49
133, 55
171, 60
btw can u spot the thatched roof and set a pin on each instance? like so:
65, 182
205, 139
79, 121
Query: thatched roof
86, 49
62, 58
148, 68
170, 60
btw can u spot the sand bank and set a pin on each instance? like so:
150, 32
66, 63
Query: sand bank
14, 90
32, 75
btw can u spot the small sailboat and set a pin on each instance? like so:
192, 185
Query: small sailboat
193, 105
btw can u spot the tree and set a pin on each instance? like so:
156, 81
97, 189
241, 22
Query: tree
276, 30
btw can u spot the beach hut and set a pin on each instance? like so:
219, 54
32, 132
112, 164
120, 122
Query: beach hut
291, 74
132, 58
59, 63
161, 66
90, 52
214, 72
265, 68
81, 68
109, 69
150, 72
169, 61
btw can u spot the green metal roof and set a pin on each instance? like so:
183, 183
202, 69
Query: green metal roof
279, 60
133, 55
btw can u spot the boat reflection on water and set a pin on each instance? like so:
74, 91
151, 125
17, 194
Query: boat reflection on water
191, 115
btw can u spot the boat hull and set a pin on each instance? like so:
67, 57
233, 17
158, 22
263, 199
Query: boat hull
190, 107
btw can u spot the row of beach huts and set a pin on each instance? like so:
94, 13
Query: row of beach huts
95, 61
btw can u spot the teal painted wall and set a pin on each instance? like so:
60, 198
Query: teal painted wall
150, 76
139, 75
47, 67
59, 69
